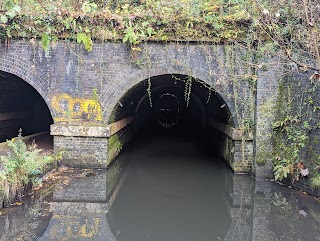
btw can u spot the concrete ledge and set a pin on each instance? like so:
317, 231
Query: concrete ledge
90, 131
12, 116
234, 133
26, 138
78, 207
118, 125
79, 131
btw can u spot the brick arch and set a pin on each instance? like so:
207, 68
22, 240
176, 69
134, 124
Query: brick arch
22, 68
112, 93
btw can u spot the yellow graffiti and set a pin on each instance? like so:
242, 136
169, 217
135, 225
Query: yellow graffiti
69, 108
74, 228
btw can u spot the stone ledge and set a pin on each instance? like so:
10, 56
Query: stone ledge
90, 131
79, 131
78, 208
234, 133
12, 116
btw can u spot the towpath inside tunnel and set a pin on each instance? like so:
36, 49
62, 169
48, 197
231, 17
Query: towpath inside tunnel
174, 189
23, 110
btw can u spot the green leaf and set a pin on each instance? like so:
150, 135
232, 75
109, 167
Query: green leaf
11, 14
3, 18
16, 8
9, 32
86, 40
164, 38
149, 31
125, 38
45, 41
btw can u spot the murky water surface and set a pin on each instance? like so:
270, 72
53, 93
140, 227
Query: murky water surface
166, 189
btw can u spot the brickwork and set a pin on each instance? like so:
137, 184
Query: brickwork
238, 155
266, 96
124, 136
109, 71
243, 156
305, 100
223, 145
82, 151
82, 88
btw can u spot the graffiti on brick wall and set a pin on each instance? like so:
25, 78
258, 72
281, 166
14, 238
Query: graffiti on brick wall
74, 228
69, 108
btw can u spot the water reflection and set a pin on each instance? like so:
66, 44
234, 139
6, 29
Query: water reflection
79, 208
171, 192
167, 189
28, 221
281, 213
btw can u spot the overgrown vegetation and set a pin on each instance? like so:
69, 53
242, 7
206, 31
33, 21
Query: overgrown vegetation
296, 120
288, 27
21, 168
129, 21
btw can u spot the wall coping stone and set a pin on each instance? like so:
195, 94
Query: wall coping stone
79, 131
90, 131
235, 134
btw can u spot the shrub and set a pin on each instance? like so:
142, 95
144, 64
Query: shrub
21, 166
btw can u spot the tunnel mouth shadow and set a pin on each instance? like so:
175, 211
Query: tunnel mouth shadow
176, 104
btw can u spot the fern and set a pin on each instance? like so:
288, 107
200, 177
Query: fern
21, 165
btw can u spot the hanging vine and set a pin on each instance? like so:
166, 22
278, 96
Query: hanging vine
209, 95
149, 92
187, 90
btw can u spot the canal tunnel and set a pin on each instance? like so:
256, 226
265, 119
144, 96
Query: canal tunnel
21, 106
174, 105
175, 178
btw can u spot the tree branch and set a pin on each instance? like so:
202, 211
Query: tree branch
312, 32
300, 64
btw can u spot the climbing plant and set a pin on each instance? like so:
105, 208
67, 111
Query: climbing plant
131, 21
295, 121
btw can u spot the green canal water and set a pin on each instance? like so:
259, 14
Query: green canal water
168, 188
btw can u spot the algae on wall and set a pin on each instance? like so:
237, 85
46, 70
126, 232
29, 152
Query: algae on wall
114, 148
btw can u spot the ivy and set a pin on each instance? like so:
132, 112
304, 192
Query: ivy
11, 11
86, 40
45, 41
132, 23
291, 131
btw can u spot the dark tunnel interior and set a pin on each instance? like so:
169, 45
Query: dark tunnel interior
173, 162
173, 105
21, 106
173, 101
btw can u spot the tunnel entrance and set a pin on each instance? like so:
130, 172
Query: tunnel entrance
21, 106
169, 105
176, 186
